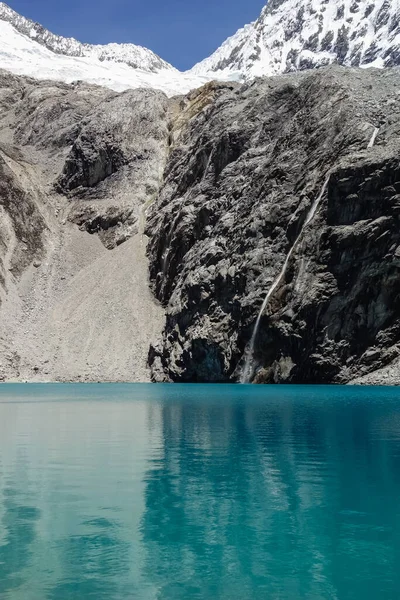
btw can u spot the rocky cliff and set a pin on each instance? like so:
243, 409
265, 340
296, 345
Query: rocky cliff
286, 186
238, 188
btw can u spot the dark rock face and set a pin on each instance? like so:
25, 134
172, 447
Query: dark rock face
90, 162
342, 45
116, 162
339, 318
109, 225
238, 187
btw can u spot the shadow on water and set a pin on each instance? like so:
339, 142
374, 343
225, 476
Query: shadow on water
289, 498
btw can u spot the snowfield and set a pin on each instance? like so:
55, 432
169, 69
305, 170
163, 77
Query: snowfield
24, 56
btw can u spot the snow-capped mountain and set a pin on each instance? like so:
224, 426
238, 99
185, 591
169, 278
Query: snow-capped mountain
294, 35
289, 35
27, 48
130, 54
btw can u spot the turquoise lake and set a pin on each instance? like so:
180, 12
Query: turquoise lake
157, 492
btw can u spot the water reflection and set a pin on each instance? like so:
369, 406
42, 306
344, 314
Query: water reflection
70, 529
177, 492
291, 498
18, 525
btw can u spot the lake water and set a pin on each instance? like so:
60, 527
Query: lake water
207, 492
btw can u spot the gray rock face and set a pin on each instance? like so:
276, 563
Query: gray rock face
22, 228
78, 166
238, 187
229, 176
103, 151
116, 161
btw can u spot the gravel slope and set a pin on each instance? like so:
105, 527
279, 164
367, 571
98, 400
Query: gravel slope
75, 297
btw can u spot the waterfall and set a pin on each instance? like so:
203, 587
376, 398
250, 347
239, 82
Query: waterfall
373, 137
248, 368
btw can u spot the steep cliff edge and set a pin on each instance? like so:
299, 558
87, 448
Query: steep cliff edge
239, 185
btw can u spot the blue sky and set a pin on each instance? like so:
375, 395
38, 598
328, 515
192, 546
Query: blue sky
180, 31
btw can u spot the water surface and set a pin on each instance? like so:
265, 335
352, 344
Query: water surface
152, 492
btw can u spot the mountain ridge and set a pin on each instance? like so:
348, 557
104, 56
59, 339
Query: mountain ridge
133, 55
27, 48
288, 35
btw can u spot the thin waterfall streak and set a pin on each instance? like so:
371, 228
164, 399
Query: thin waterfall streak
249, 352
373, 137
142, 222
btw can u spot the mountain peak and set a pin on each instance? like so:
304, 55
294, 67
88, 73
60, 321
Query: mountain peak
132, 55
27, 48
292, 35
